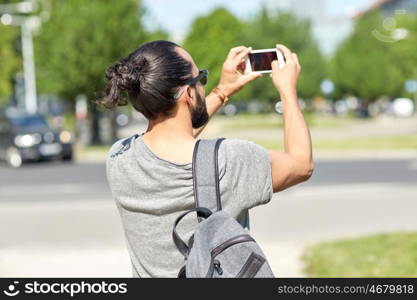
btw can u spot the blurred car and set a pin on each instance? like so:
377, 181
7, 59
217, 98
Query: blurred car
29, 138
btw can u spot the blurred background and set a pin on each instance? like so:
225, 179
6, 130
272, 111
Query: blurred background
358, 90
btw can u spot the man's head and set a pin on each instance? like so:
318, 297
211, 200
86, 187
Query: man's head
158, 78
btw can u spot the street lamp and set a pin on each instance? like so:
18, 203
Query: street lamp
27, 24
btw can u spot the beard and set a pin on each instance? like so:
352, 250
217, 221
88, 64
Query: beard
199, 114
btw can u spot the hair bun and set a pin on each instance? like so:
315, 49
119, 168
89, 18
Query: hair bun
120, 79
149, 77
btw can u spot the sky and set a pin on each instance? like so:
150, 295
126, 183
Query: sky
176, 16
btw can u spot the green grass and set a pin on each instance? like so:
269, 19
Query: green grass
359, 143
244, 122
382, 255
267, 121
249, 121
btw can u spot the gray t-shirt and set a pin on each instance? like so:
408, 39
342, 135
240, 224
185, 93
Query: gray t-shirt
151, 192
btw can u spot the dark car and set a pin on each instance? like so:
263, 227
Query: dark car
29, 138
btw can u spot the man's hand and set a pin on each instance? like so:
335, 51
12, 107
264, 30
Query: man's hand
232, 78
285, 78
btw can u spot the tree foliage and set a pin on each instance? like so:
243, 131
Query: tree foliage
209, 40
81, 39
9, 60
266, 30
78, 43
9, 57
365, 66
211, 37
405, 49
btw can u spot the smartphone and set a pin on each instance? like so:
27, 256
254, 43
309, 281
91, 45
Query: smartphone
260, 60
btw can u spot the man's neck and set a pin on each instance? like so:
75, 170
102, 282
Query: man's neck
170, 129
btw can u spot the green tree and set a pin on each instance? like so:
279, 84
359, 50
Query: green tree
9, 61
266, 30
210, 39
406, 48
81, 39
365, 66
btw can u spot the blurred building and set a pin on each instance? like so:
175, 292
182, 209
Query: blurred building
390, 7
328, 29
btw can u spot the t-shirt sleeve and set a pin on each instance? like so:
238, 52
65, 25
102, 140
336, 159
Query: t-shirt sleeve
250, 171
112, 156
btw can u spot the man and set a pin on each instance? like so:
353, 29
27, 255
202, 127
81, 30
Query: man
150, 174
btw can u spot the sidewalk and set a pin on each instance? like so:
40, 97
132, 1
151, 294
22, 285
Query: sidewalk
38, 240
305, 215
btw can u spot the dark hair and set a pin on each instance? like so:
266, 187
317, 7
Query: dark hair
149, 77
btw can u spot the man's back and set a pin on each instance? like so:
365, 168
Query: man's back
179, 151
151, 192
161, 81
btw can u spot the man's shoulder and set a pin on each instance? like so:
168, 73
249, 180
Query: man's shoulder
120, 147
234, 152
241, 146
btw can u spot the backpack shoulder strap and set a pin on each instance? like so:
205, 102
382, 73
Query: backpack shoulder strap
205, 169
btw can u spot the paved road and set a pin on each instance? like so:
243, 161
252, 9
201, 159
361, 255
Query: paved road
59, 219
57, 180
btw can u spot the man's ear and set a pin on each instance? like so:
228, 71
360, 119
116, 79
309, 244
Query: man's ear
189, 95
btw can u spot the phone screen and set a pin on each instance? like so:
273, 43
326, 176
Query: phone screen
262, 61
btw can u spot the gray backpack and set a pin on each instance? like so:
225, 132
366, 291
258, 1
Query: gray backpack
220, 247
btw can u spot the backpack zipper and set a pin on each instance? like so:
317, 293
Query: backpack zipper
215, 264
252, 266
230, 242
